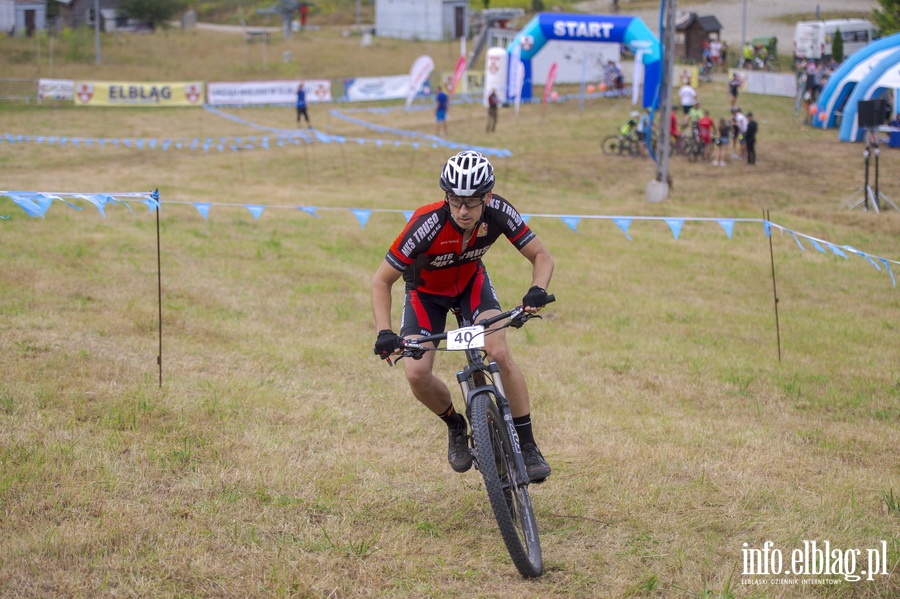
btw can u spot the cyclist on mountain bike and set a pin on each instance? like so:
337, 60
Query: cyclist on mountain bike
438, 254
628, 129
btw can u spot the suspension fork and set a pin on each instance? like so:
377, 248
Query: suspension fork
466, 382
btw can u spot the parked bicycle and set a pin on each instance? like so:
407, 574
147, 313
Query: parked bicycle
696, 148
621, 145
492, 437
705, 71
692, 146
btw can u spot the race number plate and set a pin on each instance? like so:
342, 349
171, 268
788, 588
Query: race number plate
466, 338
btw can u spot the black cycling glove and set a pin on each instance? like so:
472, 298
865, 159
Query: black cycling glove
535, 298
388, 342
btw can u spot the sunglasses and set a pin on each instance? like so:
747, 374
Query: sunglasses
470, 202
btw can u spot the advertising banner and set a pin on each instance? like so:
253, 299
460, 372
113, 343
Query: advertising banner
105, 93
376, 88
56, 89
495, 68
248, 93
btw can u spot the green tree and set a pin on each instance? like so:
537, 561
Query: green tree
837, 47
157, 13
888, 18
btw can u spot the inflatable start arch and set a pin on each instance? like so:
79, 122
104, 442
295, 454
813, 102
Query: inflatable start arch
884, 75
842, 83
615, 29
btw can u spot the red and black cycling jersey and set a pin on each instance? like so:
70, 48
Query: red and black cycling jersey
430, 254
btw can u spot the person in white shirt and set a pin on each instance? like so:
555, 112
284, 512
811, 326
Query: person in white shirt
740, 121
715, 52
688, 97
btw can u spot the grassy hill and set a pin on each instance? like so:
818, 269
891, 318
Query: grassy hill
281, 458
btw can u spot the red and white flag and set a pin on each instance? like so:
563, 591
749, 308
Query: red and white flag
418, 75
458, 73
551, 78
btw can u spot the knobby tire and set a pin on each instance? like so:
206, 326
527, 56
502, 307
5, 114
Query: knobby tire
511, 503
610, 145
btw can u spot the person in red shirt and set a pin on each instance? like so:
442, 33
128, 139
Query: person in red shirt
304, 13
439, 254
705, 126
674, 129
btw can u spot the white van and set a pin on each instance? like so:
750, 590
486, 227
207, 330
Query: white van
813, 39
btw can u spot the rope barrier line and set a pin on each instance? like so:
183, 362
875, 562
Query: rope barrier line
36, 203
279, 136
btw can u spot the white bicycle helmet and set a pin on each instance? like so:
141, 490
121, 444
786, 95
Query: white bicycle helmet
468, 173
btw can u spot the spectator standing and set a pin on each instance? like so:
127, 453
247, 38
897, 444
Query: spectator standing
735, 133
619, 81
493, 101
801, 91
747, 62
688, 97
304, 14
740, 119
811, 79
301, 105
722, 142
674, 130
614, 79
644, 130
694, 115
705, 126
442, 102
807, 108
750, 138
734, 87
715, 52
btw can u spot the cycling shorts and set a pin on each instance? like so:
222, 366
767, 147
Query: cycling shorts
426, 314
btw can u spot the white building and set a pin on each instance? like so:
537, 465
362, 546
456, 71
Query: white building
7, 16
431, 20
24, 17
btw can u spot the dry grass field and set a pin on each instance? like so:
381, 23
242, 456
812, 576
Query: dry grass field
280, 458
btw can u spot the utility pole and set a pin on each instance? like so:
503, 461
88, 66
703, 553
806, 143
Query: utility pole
744, 28
97, 30
658, 189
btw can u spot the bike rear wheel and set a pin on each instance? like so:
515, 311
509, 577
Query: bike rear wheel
510, 500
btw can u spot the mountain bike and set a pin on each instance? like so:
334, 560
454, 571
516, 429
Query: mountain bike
493, 439
621, 145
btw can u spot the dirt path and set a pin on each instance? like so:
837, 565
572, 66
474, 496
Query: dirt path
760, 15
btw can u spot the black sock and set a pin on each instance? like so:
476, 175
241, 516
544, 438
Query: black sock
452, 418
523, 429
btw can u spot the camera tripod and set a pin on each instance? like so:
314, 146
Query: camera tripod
865, 196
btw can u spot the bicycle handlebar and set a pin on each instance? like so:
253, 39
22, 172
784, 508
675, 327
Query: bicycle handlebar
412, 348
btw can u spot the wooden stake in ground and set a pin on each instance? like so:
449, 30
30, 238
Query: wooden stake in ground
774, 288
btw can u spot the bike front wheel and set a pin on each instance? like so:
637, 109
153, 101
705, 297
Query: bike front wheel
510, 501
611, 146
